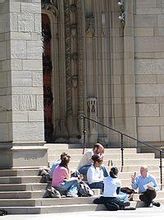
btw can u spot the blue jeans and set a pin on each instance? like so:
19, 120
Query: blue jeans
123, 197
69, 187
83, 170
97, 185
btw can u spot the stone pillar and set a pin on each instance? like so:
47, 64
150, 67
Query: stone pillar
21, 86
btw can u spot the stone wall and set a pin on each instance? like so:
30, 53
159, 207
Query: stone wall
149, 69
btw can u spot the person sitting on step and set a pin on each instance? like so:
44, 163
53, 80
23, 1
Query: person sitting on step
112, 197
62, 180
95, 174
86, 160
56, 163
146, 185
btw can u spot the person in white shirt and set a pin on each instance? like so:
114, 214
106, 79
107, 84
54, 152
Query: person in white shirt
112, 198
86, 160
95, 174
112, 185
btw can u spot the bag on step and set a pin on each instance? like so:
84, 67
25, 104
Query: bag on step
127, 190
52, 193
45, 173
3, 212
84, 190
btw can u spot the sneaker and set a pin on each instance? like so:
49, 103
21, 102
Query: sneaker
157, 204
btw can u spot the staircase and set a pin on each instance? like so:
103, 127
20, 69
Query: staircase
21, 190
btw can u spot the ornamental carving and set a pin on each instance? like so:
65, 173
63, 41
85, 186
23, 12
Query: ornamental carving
90, 25
50, 5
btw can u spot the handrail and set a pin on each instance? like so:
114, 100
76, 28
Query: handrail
121, 143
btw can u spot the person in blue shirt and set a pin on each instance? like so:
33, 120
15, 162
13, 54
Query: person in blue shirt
146, 185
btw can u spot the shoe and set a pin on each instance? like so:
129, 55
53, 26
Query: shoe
127, 204
157, 204
141, 197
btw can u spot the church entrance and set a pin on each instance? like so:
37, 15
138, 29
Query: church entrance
47, 78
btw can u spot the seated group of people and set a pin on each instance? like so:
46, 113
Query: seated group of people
98, 177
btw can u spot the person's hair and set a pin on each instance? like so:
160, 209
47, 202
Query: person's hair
63, 154
64, 161
145, 167
98, 146
97, 158
113, 172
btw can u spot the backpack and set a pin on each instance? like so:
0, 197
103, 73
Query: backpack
3, 212
127, 190
52, 193
84, 190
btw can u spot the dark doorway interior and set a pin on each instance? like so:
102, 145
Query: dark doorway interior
47, 77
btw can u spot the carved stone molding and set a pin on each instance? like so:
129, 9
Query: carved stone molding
92, 113
121, 4
51, 5
90, 25
68, 57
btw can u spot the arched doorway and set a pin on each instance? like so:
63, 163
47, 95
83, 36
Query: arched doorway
47, 77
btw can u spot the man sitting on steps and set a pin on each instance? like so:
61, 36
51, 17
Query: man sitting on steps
147, 186
86, 160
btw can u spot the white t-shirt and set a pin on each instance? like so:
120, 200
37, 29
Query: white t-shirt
110, 186
86, 159
94, 174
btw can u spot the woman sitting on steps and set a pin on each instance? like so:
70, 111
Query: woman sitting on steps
62, 180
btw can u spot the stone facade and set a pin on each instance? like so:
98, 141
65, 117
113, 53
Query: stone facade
149, 66
100, 58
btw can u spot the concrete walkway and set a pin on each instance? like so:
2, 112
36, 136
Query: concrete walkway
152, 213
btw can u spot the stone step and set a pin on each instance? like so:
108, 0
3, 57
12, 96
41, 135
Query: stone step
128, 168
19, 179
64, 208
19, 172
46, 201
79, 151
74, 164
23, 187
77, 157
21, 194
136, 162
54, 209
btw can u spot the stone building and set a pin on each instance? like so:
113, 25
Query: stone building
60, 59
